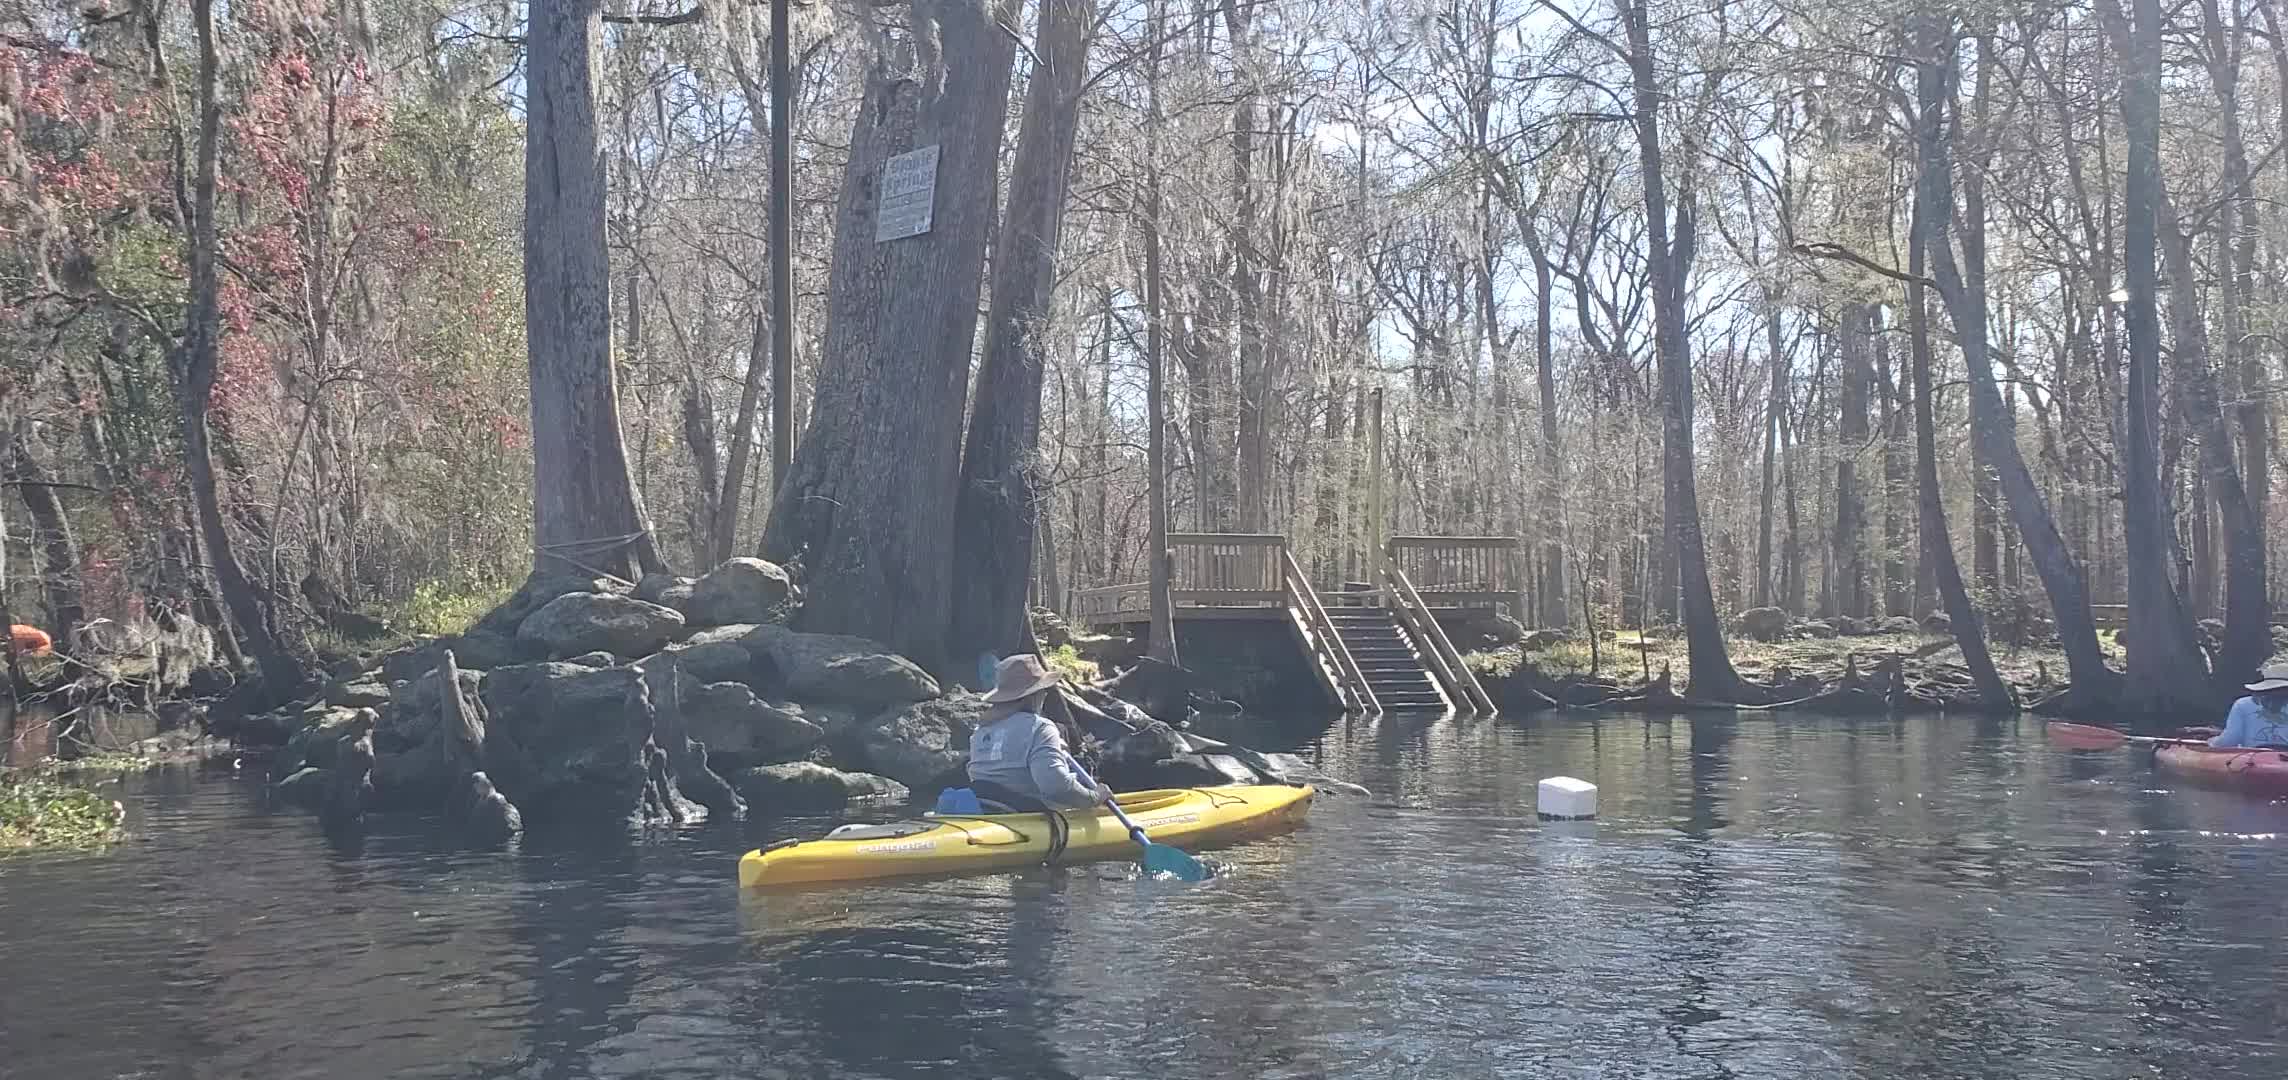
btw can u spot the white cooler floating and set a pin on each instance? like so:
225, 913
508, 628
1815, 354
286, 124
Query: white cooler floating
1563, 798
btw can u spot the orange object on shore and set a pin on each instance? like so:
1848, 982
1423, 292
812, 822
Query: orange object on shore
29, 640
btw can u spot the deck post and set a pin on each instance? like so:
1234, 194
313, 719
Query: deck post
1374, 485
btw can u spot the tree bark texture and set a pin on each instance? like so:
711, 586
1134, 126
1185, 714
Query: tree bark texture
1669, 268
869, 501
584, 502
996, 513
1962, 286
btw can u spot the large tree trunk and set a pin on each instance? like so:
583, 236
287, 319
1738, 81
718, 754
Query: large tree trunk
1775, 403
870, 500
1962, 286
1937, 544
1156, 554
1898, 597
1554, 611
2165, 669
1669, 268
52, 531
996, 513
196, 363
1254, 396
585, 512
1848, 550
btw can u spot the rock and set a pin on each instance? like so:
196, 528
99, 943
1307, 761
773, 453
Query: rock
715, 661
1816, 629
835, 720
593, 660
411, 716
654, 588
482, 813
1761, 624
305, 788
1848, 626
582, 622
677, 597
481, 652
360, 694
741, 591
1154, 741
1938, 622
919, 742
1050, 629
740, 730
1900, 624
565, 738
538, 591
800, 787
836, 668
351, 788
316, 730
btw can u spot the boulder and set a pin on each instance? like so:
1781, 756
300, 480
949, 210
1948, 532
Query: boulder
538, 591
1848, 626
1154, 741
593, 660
917, 743
1761, 624
565, 737
738, 729
1938, 622
803, 787
411, 715
715, 661
474, 651
1816, 629
582, 622
358, 694
1900, 624
741, 591
654, 588
836, 668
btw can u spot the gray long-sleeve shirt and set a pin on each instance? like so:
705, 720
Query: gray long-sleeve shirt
1024, 753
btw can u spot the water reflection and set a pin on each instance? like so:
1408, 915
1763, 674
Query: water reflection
1762, 896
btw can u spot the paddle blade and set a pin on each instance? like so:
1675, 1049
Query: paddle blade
986, 662
1162, 859
2085, 736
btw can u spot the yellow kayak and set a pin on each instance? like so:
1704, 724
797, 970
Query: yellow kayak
1185, 817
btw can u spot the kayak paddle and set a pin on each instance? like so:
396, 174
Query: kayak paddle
1157, 858
2091, 737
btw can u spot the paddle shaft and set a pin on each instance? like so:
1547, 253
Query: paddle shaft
1135, 831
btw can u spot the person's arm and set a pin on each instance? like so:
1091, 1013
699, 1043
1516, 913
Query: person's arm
1055, 775
2236, 725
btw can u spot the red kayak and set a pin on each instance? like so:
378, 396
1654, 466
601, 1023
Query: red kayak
2254, 770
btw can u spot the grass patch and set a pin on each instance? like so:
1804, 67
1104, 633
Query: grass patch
1067, 662
437, 608
41, 811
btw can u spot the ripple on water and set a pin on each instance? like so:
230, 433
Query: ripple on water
1763, 897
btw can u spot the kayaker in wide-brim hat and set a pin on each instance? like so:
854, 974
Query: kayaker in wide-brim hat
2261, 718
1018, 757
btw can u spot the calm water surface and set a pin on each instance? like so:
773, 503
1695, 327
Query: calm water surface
1762, 897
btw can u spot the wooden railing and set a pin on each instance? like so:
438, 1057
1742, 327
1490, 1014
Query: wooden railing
1332, 659
1437, 650
1209, 570
1460, 570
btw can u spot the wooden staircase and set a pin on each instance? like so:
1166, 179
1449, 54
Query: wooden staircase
1387, 660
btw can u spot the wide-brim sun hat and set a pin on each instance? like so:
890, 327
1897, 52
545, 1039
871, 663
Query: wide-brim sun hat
1018, 678
2273, 677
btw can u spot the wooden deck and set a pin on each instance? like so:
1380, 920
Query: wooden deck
1253, 576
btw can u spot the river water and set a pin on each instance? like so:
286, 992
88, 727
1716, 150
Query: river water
1769, 896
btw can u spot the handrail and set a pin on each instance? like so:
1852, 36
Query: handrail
1445, 660
1329, 641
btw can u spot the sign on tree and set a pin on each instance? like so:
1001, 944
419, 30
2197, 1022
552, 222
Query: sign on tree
909, 195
